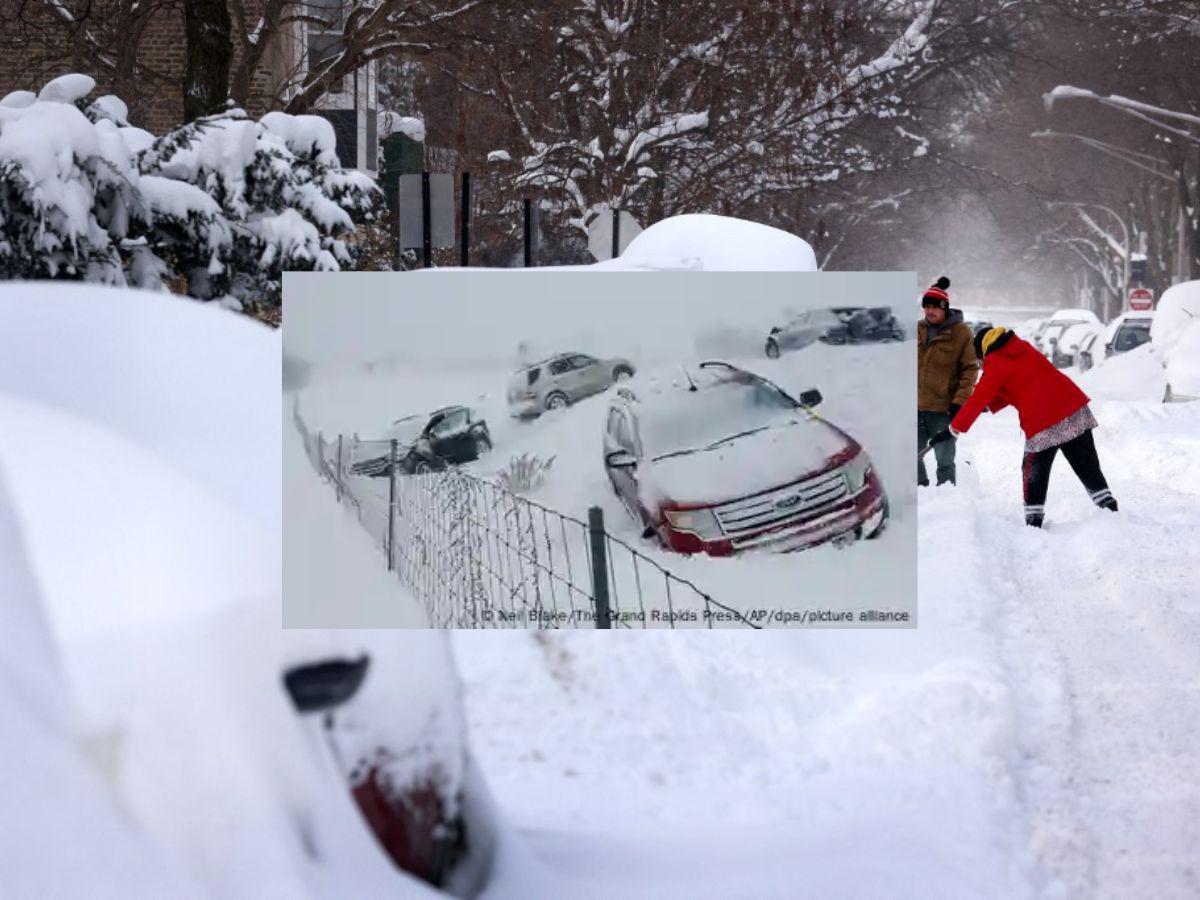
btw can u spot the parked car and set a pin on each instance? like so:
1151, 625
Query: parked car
427, 443
1084, 359
725, 461
977, 325
1054, 326
561, 380
1127, 332
803, 329
865, 326
1064, 347
1181, 362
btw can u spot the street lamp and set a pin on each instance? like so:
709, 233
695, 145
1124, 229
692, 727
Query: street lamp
1124, 232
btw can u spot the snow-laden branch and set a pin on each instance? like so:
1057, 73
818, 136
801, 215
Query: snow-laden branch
1068, 92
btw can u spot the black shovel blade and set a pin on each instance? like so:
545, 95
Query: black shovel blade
324, 685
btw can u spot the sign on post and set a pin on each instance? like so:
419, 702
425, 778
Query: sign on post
1141, 298
441, 212
607, 225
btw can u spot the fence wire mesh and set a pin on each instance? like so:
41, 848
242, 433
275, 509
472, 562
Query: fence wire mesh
479, 556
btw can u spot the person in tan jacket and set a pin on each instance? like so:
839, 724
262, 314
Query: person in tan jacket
946, 373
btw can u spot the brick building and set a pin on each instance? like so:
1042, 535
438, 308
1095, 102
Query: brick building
135, 49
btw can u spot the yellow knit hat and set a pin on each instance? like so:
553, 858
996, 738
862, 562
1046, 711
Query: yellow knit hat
990, 337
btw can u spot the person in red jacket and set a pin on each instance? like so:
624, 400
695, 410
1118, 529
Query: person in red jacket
1053, 411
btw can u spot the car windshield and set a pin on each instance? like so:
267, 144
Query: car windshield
696, 420
1132, 335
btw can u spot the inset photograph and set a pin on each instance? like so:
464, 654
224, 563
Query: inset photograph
532, 449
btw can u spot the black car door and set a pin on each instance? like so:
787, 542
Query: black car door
449, 435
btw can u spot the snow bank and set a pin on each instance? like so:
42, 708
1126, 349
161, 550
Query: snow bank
1178, 306
712, 243
1136, 375
143, 364
327, 553
133, 467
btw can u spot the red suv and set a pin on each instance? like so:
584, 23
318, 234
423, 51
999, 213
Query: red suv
721, 460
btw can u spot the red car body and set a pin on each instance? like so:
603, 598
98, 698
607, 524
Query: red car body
839, 498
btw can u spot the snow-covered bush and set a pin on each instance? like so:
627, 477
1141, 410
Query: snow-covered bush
525, 473
225, 203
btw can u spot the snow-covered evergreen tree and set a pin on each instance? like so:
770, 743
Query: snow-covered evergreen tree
224, 204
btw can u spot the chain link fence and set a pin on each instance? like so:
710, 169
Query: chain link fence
477, 555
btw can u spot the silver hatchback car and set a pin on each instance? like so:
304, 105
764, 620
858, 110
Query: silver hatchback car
561, 380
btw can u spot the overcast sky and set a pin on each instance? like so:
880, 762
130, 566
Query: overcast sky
456, 315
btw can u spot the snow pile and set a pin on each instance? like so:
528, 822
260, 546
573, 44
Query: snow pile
1136, 375
1177, 307
224, 201
714, 243
856, 758
393, 123
327, 553
137, 525
1182, 362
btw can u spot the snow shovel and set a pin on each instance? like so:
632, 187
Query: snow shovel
936, 439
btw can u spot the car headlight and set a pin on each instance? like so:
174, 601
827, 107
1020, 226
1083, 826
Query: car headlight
700, 522
856, 471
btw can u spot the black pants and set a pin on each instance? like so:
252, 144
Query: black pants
1081, 455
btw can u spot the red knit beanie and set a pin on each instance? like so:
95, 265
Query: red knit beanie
936, 295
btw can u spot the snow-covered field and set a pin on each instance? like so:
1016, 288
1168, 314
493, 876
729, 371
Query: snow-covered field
868, 390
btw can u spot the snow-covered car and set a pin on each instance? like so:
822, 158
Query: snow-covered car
1176, 309
874, 324
1064, 347
803, 329
1181, 361
1053, 327
723, 460
1126, 332
561, 380
1084, 358
977, 325
426, 443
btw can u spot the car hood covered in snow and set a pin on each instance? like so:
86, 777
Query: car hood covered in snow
747, 465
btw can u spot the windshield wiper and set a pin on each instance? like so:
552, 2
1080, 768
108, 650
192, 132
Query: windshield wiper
734, 437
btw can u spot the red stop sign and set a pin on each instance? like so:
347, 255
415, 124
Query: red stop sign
1141, 298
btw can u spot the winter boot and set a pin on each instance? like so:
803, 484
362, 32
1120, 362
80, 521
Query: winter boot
1108, 503
1035, 519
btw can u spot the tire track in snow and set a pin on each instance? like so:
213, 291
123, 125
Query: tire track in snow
1101, 630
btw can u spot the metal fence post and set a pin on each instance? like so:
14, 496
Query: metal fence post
465, 230
339, 469
599, 542
426, 223
526, 205
391, 532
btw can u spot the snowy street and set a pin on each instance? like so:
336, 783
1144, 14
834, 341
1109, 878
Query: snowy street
1097, 622
1046, 715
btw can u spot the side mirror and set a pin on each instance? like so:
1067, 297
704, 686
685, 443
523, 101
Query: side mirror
325, 685
620, 459
811, 397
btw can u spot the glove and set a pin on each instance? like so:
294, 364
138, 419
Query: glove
954, 408
940, 436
